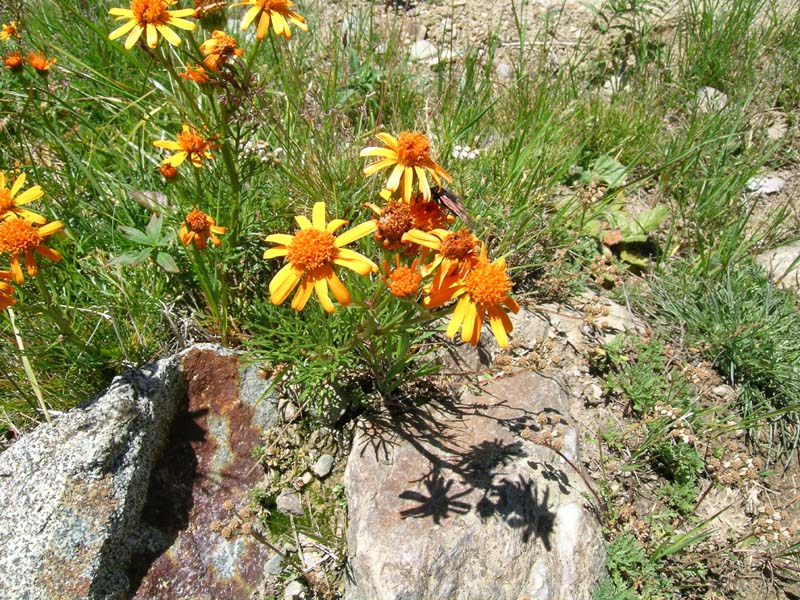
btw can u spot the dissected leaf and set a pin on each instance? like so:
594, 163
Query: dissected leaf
166, 262
136, 236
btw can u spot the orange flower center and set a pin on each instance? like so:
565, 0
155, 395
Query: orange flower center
6, 203
394, 221
198, 221
458, 245
412, 148
18, 236
13, 60
311, 249
487, 284
404, 281
274, 5
191, 142
225, 44
149, 11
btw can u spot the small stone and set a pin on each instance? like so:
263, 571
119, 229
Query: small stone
765, 185
294, 591
722, 391
274, 566
711, 100
290, 502
323, 466
422, 50
306, 478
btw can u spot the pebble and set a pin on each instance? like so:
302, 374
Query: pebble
711, 100
289, 502
422, 50
274, 566
323, 466
294, 591
765, 185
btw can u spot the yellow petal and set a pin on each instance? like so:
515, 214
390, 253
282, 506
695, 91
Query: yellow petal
280, 238
321, 287
167, 144
318, 216
176, 160
334, 225
303, 222
29, 195
394, 178
471, 330
152, 35
263, 25
122, 30
355, 262
280, 25
297, 19
133, 36
17, 184
169, 35
283, 283
302, 294
422, 238
16, 270
181, 12
122, 12
275, 252
50, 228
378, 151
2, 179
338, 289
379, 165
501, 325
49, 253
458, 317
250, 16
423, 183
356, 233
388, 139
408, 182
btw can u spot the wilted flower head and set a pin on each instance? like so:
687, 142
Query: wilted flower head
219, 49
39, 62
13, 61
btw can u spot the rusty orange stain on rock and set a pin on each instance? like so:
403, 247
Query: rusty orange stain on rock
206, 466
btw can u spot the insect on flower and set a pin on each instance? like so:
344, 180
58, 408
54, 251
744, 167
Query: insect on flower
451, 202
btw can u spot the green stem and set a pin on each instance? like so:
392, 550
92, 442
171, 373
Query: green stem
217, 304
26, 365
54, 313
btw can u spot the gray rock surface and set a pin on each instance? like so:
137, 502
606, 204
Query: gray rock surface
71, 490
460, 499
323, 466
782, 264
289, 502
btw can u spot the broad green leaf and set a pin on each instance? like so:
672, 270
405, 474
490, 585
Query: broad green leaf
166, 262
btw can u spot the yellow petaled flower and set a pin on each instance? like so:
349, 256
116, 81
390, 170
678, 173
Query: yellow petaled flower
13, 61
311, 254
39, 62
484, 291
195, 73
409, 154
278, 11
10, 201
456, 251
151, 17
9, 31
219, 49
20, 237
198, 227
403, 281
6, 290
188, 145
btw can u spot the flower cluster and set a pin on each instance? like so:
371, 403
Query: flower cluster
438, 266
22, 234
14, 56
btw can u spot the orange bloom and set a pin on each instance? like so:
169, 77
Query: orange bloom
392, 222
403, 281
219, 49
483, 292
198, 227
9, 31
188, 145
312, 254
20, 237
39, 62
10, 201
456, 251
278, 11
6, 290
409, 154
168, 171
13, 61
196, 73
151, 17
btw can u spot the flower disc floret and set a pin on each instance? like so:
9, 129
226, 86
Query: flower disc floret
404, 280
458, 245
311, 249
487, 284
198, 227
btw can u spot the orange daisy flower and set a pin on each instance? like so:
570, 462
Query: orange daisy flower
312, 254
20, 237
9, 30
195, 73
483, 292
39, 61
409, 154
198, 227
151, 17
6, 290
10, 201
278, 11
13, 61
218, 50
403, 281
456, 251
188, 145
